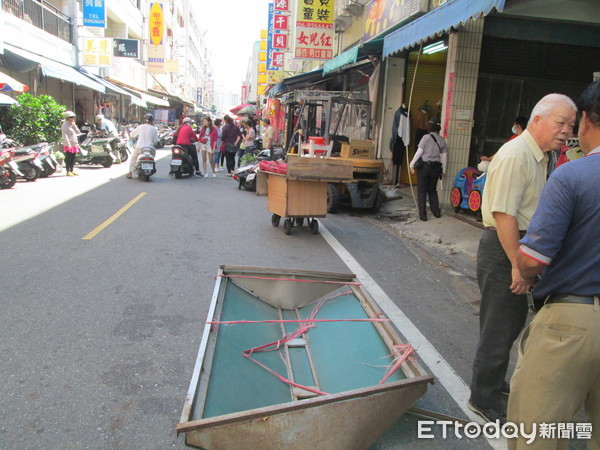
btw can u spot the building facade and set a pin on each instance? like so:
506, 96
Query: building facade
102, 62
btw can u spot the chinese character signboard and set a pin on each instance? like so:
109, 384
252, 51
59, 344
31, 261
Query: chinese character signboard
94, 13
383, 14
126, 48
282, 5
97, 52
277, 41
156, 51
314, 29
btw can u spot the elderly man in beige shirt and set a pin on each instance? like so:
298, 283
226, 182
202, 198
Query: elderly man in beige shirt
515, 180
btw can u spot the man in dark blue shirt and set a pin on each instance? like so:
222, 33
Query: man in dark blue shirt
559, 364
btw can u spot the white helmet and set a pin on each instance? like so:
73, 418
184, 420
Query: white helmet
188, 120
68, 114
100, 117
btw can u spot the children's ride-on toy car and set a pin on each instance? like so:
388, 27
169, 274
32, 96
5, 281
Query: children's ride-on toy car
468, 189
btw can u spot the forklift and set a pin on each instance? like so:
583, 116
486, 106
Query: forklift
339, 119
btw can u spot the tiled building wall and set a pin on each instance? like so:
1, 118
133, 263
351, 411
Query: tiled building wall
460, 87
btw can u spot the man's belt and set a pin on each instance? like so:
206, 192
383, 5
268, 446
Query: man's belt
570, 299
521, 232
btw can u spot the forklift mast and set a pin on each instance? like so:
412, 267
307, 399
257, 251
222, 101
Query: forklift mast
325, 114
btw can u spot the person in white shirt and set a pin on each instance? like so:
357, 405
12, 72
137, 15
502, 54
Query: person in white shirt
147, 137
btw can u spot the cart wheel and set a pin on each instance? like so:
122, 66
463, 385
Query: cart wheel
475, 201
299, 222
455, 197
314, 226
287, 226
275, 220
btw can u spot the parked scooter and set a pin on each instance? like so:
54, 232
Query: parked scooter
123, 151
246, 175
95, 150
165, 137
28, 162
146, 166
47, 159
181, 162
8, 169
168, 137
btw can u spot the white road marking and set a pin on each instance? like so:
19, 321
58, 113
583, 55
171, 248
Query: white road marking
443, 372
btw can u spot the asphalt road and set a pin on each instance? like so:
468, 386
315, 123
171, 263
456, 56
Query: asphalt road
99, 337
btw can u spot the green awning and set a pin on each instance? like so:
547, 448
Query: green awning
348, 57
359, 51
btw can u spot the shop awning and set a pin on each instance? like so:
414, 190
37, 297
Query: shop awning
154, 100
437, 22
348, 57
113, 87
55, 69
359, 51
304, 79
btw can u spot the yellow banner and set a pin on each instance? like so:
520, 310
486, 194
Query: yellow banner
156, 23
314, 29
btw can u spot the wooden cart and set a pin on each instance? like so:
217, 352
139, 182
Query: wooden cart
302, 192
296, 200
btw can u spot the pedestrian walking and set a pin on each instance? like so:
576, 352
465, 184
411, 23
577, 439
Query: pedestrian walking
70, 132
433, 153
185, 137
147, 137
515, 180
218, 155
231, 137
559, 362
207, 139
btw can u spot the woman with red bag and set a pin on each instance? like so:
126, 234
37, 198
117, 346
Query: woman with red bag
208, 137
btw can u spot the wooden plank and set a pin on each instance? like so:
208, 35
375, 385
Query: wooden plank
262, 188
277, 199
306, 198
319, 169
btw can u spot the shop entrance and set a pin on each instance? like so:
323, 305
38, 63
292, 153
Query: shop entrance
424, 98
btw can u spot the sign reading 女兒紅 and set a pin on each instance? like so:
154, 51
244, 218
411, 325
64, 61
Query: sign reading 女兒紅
94, 13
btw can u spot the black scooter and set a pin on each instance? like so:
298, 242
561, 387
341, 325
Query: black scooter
145, 165
181, 162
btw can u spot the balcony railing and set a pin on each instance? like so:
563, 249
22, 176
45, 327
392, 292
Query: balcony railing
41, 14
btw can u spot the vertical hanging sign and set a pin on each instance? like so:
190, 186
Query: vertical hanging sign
314, 29
156, 49
94, 13
277, 43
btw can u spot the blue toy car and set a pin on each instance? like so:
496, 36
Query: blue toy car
468, 189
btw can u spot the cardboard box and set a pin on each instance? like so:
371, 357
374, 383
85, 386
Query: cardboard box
319, 169
358, 149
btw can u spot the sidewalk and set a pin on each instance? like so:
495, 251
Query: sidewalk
453, 238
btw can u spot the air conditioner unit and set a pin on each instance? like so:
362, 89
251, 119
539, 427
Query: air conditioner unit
354, 8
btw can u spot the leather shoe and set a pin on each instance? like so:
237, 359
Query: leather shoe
437, 214
423, 218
